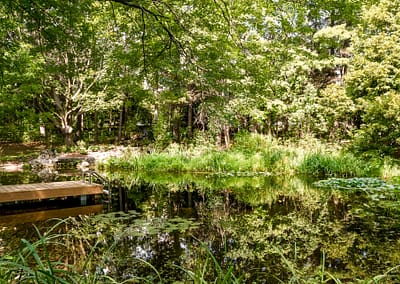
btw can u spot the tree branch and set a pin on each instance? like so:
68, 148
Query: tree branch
130, 3
157, 16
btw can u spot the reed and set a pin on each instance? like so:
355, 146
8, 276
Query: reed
209, 270
255, 153
40, 261
258, 156
33, 264
325, 164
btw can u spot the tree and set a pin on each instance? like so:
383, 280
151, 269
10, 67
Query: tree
71, 47
188, 68
373, 80
19, 68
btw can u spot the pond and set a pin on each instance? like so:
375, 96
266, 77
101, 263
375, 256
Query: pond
262, 229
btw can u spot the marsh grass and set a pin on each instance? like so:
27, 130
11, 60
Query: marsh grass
323, 275
32, 263
251, 153
44, 261
255, 153
320, 164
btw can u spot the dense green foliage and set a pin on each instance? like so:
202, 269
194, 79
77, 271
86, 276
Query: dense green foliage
221, 89
195, 71
229, 230
373, 78
251, 155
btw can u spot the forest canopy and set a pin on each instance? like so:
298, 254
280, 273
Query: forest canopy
185, 71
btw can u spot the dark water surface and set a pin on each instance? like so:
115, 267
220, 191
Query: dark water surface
264, 228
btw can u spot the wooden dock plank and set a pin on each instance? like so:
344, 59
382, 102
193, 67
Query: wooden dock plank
32, 217
37, 191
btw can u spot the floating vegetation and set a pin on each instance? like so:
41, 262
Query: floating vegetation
375, 188
373, 194
356, 183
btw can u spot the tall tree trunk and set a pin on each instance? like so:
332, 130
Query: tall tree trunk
190, 119
80, 124
96, 127
67, 130
226, 133
175, 121
121, 122
68, 138
175, 130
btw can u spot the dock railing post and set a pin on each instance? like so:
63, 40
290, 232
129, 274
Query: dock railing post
104, 181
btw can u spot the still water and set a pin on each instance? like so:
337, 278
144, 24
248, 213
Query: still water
263, 228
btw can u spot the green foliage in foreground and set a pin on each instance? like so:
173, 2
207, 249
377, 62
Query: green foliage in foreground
43, 261
34, 262
255, 155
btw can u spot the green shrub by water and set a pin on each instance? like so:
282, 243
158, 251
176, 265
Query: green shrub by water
339, 165
257, 154
251, 153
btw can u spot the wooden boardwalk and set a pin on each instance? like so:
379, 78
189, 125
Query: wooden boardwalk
35, 216
39, 191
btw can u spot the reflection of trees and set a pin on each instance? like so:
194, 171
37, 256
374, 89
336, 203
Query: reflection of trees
306, 224
249, 226
251, 222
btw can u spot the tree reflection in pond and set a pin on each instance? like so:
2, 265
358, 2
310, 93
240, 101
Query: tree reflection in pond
265, 228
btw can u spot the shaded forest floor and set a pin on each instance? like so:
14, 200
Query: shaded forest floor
13, 156
20, 149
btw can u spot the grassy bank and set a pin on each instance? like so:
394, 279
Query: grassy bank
253, 154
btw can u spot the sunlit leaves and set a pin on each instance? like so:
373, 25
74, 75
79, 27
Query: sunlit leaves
374, 77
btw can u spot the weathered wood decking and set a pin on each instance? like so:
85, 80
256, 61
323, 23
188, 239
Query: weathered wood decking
38, 191
31, 217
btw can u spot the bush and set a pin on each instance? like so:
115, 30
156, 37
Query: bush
379, 135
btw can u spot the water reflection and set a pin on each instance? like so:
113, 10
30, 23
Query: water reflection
257, 224
266, 228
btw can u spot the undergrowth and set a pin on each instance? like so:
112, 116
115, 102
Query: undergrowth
38, 262
257, 154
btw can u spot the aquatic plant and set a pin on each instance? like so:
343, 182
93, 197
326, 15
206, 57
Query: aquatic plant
361, 184
34, 262
322, 275
98, 239
262, 155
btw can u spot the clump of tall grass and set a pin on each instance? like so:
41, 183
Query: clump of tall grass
209, 270
249, 153
327, 164
390, 170
45, 261
256, 153
322, 275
